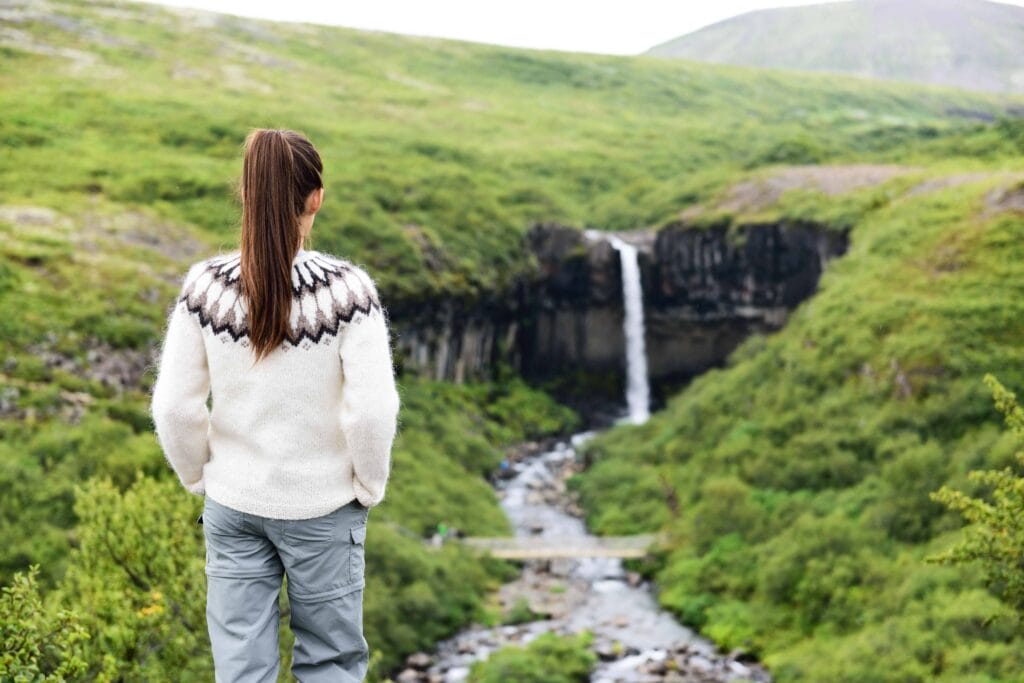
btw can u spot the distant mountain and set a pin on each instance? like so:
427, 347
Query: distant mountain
965, 43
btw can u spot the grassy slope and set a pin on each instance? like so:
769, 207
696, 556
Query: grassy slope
796, 480
438, 154
468, 142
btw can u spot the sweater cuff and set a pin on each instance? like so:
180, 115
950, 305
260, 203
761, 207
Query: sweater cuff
198, 488
365, 498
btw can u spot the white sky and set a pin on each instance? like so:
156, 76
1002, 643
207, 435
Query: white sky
577, 25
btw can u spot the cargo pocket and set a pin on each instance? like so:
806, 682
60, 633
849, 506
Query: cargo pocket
357, 558
219, 519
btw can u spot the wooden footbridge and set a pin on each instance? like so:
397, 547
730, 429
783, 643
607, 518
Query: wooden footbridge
551, 547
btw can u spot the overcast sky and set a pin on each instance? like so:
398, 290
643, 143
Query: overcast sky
623, 27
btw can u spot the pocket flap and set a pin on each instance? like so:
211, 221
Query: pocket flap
359, 534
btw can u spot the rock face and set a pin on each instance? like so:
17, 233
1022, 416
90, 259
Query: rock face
455, 340
708, 289
574, 306
705, 290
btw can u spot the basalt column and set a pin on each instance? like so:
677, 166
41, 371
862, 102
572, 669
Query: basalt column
710, 288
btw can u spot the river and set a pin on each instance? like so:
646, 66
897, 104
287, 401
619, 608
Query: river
634, 639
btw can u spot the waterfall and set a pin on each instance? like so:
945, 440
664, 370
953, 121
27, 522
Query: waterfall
637, 389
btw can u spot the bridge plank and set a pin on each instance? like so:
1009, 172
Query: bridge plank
540, 547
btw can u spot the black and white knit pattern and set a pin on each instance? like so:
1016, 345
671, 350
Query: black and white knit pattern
326, 292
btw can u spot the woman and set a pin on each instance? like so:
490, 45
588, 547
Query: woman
294, 344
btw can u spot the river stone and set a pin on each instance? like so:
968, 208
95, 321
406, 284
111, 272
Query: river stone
653, 667
739, 669
408, 676
457, 674
700, 663
418, 660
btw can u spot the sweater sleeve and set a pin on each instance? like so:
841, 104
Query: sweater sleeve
370, 400
178, 402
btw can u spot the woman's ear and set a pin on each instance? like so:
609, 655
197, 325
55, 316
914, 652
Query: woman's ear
316, 199
313, 201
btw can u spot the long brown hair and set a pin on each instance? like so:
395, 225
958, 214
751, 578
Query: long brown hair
280, 169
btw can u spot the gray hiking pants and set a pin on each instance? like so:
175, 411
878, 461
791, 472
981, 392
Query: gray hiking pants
246, 558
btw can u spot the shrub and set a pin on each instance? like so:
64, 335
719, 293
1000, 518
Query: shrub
995, 539
37, 644
548, 658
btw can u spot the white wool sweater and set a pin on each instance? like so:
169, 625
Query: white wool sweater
309, 427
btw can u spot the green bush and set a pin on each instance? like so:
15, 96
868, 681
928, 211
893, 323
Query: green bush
548, 658
995, 538
38, 642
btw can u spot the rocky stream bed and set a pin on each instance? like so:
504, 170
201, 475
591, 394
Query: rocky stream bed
635, 641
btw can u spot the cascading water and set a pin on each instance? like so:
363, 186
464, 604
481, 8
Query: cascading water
637, 389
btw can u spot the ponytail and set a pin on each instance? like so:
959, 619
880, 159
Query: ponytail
280, 169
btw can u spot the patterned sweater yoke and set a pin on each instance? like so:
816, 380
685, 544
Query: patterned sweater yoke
305, 430
327, 292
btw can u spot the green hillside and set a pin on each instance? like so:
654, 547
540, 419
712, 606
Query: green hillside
122, 129
973, 44
438, 152
796, 480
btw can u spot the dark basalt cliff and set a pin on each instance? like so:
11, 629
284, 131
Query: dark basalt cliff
708, 289
705, 290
